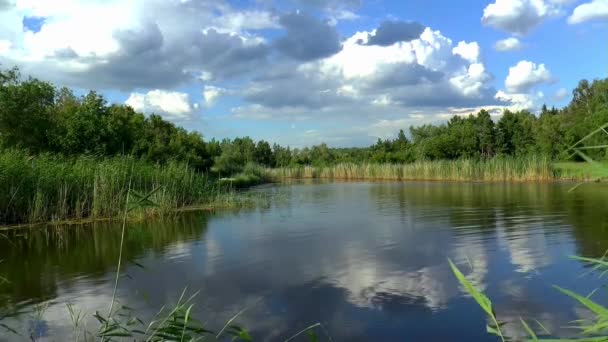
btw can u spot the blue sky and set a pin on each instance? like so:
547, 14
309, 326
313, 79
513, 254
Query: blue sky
302, 72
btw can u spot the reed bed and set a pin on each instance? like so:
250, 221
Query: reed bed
54, 188
531, 168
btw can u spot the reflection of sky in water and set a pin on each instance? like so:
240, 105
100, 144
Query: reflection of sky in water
369, 261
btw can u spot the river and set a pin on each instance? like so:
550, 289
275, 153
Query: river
367, 260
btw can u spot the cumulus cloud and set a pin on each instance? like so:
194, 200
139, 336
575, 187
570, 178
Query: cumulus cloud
520, 101
172, 105
247, 20
391, 32
395, 75
520, 82
594, 10
365, 80
518, 16
294, 87
526, 75
307, 38
509, 44
121, 46
472, 82
468, 51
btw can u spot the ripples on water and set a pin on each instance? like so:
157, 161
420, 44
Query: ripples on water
368, 260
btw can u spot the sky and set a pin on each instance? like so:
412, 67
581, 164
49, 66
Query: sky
303, 72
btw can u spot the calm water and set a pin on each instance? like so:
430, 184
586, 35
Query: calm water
368, 260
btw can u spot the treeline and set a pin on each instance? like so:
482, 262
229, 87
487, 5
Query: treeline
38, 117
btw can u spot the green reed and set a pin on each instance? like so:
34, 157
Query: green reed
54, 188
530, 168
594, 329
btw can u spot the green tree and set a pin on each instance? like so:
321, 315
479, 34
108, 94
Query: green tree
281, 155
25, 112
515, 133
486, 134
263, 154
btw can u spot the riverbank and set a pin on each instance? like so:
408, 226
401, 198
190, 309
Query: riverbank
51, 188
496, 169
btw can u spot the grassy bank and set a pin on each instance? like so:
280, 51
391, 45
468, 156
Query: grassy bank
53, 188
252, 174
496, 169
581, 170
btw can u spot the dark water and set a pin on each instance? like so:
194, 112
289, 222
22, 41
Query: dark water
368, 260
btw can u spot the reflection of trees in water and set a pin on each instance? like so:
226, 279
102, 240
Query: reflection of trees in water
515, 207
587, 211
36, 260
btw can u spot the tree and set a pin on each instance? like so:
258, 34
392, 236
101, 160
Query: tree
263, 154
25, 112
281, 155
515, 133
486, 134
321, 155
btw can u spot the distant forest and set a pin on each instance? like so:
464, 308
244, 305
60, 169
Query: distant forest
41, 118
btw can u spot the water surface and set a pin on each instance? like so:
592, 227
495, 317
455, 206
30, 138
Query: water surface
367, 260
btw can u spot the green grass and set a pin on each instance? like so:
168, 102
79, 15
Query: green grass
581, 170
50, 188
532, 168
592, 329
252, 174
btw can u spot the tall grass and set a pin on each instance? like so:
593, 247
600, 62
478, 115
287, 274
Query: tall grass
531, 168
252, 174
594, 329
53, 188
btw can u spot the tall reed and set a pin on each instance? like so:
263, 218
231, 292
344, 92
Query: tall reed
51, 188
531, 168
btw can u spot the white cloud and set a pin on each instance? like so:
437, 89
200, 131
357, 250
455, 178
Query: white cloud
84, 27
509, 44
237, 22
172, 105
468, 51
520, 81
525, 75
211, 94
473, 81
518, 16
5, 46
358, 60
342, 15
135, 44
520, 101
561, 94
594, 10
426, 58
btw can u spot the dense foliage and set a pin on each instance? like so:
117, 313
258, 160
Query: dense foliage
38, 117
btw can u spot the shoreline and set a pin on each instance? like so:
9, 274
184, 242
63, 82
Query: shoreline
489, 181
137, 217
231, 206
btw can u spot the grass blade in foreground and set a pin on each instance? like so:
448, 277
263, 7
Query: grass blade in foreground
481, 299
